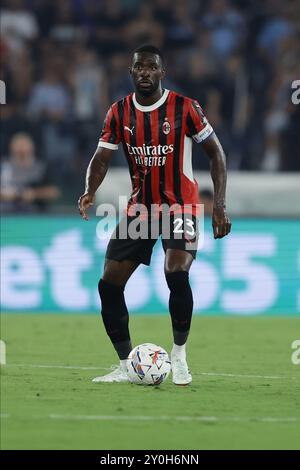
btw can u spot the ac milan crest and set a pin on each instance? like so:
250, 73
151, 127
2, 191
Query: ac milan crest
166, 127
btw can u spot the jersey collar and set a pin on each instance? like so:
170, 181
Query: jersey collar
152, 106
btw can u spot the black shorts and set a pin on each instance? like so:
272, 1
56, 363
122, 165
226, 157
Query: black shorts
134, 239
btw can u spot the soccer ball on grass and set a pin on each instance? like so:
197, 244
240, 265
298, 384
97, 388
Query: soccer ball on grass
148, 364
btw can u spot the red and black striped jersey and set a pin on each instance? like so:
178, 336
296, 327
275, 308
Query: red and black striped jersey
157, 142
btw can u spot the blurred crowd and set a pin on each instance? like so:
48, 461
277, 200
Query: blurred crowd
65, 61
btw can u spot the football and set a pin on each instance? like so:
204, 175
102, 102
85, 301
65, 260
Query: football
148, 364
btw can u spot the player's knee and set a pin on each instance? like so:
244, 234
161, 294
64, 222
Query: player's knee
177, 260
112, 276
118, 273
175, 267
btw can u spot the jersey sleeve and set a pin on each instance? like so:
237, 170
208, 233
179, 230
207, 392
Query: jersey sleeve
110, 136
197, 126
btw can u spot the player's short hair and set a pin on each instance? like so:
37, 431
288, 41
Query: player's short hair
151, 49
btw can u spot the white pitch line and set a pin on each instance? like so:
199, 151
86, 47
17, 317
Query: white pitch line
265, 419
212, 374
219, 374
204, 419
46, 366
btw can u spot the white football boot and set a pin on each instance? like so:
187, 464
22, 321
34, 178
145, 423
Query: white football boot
118, 374
180, 371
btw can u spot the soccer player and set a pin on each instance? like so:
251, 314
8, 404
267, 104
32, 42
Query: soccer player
156, 127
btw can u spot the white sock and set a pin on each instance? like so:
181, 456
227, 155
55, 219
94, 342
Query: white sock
123, 365
178, 351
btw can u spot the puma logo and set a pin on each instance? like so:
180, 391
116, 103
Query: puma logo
130, 130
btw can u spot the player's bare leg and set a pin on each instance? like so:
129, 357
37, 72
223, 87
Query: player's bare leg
177, 265
115, 314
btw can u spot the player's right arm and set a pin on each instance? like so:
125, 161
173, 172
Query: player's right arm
97, 169
95, 174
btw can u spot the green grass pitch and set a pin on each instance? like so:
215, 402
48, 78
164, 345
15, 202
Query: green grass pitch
245, 392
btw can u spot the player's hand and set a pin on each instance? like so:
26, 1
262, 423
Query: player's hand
220, 222
84, 202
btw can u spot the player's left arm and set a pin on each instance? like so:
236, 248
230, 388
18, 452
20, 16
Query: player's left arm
220, 220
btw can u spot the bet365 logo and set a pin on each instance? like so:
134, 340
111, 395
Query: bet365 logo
296, 354
296, 94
